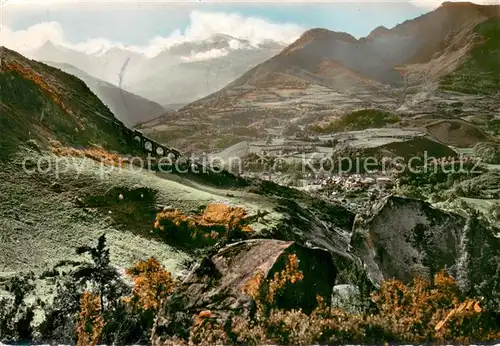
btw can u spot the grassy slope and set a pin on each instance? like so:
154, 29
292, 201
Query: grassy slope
480, 73
29, 112
43, 217
41, 221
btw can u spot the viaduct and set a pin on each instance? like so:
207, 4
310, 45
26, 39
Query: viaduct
147, 144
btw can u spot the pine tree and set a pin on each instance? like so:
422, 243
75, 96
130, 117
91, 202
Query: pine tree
100, 273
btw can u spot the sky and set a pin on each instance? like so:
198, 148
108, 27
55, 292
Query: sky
150, 26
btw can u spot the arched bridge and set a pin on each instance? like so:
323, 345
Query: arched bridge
147, 144
159, 150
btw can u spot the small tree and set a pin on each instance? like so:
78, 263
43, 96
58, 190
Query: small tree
152, 286
100, 273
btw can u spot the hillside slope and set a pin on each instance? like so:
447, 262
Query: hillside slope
40, 102
320, 54
480, 71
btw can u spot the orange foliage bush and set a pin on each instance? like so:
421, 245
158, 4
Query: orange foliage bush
96, 153
432, 311
420, 312
90, 322
215, 222
263, 290
152, 284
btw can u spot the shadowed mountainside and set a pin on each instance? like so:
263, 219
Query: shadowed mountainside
127, 107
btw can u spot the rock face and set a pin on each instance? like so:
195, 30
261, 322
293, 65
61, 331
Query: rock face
218, 283
319, 224
403, 238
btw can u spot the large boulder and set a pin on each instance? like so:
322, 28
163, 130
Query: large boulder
218, 283
402, 238
318, 224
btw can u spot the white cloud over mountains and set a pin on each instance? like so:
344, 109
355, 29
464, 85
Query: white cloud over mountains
202, 25
421, 3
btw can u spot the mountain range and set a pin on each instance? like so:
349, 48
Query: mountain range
325, 74
179, 74
202, 256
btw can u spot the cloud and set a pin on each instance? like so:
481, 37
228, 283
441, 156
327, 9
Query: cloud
34, 36
253, 29
207, 55
202, 26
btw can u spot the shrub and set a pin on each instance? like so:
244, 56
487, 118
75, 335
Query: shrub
358, 120
15, 314
90, 322
264, 291
419, 312
96, 153
152, 284
488, 152
216, 222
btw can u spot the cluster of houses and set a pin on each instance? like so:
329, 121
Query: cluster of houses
356, 181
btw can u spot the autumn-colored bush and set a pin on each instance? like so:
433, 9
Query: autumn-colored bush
264, 291
433, 311
419, 312
152, 284
96, 153
217, 221
90, 322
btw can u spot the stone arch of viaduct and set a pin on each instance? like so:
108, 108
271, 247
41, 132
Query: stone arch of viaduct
147, 144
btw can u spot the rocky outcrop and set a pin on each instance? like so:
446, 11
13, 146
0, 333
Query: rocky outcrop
318, 224
218, 283
403, 238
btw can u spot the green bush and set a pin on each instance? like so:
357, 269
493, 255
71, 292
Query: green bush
358, 120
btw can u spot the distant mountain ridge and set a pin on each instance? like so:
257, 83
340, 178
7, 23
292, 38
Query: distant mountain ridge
327, 74
127, 107
373, 59
180, 73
